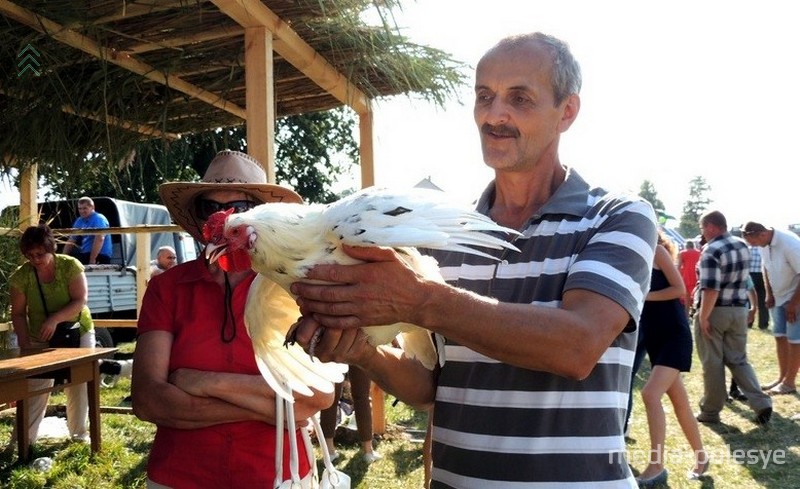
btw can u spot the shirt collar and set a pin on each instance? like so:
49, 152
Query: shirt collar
569, 197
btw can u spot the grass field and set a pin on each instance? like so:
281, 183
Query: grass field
743, 455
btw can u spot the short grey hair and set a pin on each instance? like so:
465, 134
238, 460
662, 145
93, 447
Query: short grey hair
566, 75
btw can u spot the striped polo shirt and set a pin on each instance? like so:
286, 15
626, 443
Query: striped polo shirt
500, 426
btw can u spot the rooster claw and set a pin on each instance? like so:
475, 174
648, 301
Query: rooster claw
291, 335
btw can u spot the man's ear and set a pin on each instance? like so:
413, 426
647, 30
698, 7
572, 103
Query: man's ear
571, 107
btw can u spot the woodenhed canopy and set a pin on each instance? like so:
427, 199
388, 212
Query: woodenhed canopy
97, 76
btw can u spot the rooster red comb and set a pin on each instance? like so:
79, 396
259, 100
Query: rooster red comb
214, 228
214, 235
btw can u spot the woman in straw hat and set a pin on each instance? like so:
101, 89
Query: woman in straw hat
195, 374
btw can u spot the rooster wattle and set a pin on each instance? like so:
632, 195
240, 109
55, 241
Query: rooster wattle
282, 241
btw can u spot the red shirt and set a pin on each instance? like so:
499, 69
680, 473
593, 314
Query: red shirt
186, 302
688, 268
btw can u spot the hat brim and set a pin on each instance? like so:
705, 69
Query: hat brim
179, 197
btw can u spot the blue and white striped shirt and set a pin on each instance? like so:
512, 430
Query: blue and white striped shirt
500, 426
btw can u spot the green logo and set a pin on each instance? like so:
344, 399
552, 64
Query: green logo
29, 60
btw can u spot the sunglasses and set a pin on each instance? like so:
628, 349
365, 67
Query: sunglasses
204, 208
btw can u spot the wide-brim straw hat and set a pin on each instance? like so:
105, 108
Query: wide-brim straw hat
229, 170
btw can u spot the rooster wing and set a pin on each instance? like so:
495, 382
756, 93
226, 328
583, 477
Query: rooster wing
269, 313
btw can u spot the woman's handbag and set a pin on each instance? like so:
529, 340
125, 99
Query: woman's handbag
331, 478
67, 333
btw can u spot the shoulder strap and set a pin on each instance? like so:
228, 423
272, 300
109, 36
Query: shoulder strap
41, 293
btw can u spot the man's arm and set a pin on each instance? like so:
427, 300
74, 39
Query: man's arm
97, 245
567, 341
769, 299
68, 246
708, 298
415, 387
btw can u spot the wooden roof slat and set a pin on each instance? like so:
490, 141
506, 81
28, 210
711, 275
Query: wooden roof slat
130, 10
212, 35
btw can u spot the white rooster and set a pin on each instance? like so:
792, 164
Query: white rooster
285, 240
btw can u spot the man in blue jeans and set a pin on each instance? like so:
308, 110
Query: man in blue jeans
93, 248
781, 259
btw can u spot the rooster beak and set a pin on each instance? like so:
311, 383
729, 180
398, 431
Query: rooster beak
214, 251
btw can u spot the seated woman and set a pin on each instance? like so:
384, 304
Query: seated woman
48, 289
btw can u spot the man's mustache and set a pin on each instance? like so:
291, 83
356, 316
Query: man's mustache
501, 130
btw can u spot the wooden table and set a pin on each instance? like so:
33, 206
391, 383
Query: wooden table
76, 365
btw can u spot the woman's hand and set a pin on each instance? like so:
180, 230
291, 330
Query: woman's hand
48, 329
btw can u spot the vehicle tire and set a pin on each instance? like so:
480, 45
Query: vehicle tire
102, 338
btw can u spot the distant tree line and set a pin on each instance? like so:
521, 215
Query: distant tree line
694, 207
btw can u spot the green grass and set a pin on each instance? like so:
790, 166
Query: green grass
126, 441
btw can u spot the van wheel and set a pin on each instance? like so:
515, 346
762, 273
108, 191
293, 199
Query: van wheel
102, 338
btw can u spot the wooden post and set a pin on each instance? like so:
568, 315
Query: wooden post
260, 95
142, 267
378, 411
28, 206
366, 148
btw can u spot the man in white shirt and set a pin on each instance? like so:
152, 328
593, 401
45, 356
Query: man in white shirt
781, 260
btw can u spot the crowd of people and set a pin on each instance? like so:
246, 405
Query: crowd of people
541, 346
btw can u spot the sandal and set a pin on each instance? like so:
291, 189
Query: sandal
767, 387
781, 389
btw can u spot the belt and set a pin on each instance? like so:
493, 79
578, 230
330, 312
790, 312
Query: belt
732, 304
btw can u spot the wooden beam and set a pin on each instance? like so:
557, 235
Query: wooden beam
260, 98
253, 13
144, 129
87, 45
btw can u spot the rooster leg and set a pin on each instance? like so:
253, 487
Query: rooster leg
291, 335
291, 338
315, 339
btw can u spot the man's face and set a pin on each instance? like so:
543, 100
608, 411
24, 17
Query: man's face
760, 238
85, 210
515, 110
167, 259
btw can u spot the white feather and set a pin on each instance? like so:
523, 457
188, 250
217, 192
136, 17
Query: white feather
290, 239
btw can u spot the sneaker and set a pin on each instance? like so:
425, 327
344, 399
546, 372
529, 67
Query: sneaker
372, 456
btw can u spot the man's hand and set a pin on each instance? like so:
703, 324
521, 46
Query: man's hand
705, 327
384, 290
332, 345
791, 312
